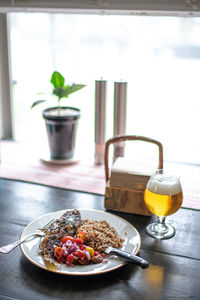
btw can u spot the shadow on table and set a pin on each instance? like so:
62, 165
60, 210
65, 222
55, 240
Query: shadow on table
51, 284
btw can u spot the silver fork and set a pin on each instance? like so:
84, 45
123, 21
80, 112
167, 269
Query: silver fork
40, 232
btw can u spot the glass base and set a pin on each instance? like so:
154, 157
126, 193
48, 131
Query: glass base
160, 233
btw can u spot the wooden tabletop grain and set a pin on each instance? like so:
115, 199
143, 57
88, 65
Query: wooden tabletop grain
174, 263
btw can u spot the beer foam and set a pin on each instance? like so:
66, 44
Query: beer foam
164, 185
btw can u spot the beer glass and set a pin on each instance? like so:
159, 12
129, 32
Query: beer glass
163, 197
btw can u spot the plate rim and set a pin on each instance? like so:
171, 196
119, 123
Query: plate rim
75, 273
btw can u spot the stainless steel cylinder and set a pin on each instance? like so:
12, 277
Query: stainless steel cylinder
100, 108
120, 98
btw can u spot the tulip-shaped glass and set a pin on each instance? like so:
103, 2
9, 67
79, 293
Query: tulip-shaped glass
163, 197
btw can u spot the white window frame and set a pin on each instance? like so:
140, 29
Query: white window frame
184, 8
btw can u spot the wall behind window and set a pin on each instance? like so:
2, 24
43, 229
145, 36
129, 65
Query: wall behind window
159, 57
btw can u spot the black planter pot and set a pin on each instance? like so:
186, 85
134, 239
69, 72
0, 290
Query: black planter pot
61, 130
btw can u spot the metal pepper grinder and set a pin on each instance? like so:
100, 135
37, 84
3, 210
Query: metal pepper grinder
120, 97
100, 107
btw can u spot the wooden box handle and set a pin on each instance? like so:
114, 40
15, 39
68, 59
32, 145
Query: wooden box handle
122, 138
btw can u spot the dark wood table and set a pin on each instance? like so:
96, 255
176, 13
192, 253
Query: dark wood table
174, 271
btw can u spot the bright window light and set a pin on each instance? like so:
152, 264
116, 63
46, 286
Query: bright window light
159, 57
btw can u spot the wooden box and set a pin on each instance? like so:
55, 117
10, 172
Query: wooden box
124, 198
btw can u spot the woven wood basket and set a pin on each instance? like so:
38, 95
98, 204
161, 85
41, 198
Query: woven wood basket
122, 199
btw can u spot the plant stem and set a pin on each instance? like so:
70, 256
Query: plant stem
59, 108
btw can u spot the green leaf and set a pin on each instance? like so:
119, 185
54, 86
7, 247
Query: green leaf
57, 80
58, 92
67, 90
73, 88
37, 102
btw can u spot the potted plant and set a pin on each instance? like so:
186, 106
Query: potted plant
61, 121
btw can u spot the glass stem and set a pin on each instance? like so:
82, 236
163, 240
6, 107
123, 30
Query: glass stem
160, 227
161, 220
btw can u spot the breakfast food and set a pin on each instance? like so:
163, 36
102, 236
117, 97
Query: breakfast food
71, 240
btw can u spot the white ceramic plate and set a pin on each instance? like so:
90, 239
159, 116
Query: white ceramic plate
125, 230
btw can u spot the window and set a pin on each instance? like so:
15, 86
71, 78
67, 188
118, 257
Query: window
159, 57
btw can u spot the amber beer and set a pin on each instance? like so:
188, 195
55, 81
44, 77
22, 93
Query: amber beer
163, 195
